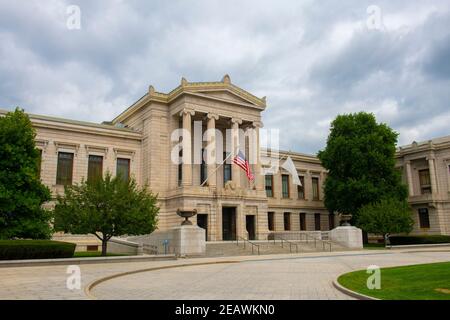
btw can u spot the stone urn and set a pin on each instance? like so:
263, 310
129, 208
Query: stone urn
345, 219
186, 214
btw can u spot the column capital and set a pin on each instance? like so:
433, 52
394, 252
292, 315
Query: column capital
236, 120
211, 115
187, 111
257, 124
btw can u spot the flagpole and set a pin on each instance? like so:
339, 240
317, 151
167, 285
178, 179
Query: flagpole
217, 168
285, 157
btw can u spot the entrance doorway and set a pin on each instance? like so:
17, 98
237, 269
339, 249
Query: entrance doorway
250, 225
229, 223
202, 222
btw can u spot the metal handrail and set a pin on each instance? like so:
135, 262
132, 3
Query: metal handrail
287, 241
307, 237
247, 241
329, 243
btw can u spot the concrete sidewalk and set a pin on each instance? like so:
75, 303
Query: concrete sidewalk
302, 276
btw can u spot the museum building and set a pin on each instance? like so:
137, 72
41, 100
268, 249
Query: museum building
139, 143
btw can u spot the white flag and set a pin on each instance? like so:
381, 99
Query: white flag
289, 166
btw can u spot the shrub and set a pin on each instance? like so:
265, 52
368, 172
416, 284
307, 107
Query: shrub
35, 249
404, 240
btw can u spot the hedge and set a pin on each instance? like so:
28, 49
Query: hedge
404, 240
35, 249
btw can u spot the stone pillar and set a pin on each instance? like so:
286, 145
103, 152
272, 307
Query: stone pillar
235, 170
409, 178
259, 178
189, 240
434, 186
308, 185
187, 146
447, 170
211, 154
347, 236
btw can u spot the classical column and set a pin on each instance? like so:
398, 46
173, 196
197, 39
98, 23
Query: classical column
434, 186
187, 146
259, 179
409, 178
211, 154
235, 170
447, 170
307, 189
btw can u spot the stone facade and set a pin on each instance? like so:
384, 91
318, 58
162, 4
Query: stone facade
425, 169
143, 134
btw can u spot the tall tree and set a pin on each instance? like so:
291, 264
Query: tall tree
106, 207
386, 217
21, 191
360, 159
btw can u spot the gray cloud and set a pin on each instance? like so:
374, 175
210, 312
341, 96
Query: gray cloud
311, 61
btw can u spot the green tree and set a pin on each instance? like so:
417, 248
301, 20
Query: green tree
360, 159
385, 217
106, 207
21, 191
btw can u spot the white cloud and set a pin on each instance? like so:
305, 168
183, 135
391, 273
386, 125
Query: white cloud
312, 61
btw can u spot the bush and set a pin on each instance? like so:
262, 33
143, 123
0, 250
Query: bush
404, 240
35, 249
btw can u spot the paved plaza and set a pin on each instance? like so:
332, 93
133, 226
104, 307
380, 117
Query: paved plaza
306, 276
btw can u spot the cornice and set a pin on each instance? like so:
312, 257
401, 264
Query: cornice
111, 132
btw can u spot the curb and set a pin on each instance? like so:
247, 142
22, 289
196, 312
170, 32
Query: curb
77, 261
429, 245
351, 293
93, 284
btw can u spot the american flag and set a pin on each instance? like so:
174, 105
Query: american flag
243, 163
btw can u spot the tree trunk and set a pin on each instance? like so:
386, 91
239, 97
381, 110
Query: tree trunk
104, 246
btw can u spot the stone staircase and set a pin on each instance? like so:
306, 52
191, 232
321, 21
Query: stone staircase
232, 248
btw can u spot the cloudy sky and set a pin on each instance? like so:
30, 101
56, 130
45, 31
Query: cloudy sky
313, 60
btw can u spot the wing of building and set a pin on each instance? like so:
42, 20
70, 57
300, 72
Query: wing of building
425, 169
140, 142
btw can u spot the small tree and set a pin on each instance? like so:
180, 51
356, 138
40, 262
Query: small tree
106, 207
385, 217
21, 191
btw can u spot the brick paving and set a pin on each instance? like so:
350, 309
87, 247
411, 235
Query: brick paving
305, 276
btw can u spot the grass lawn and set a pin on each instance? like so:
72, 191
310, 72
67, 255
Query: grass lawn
91, 254
417, 282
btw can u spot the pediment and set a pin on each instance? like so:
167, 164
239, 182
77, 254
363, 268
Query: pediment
226, 95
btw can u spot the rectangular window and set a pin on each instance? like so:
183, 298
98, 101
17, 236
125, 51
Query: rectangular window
315, 188
269, 185
287, 221
95, 168
302, 221
123, 168
331, 221
226, 169
271, 221
317, 221
64, 171
424, 218
425, 181
285, 185
301, 189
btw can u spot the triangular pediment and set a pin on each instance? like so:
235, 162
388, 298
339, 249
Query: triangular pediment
221, 90
226, 95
